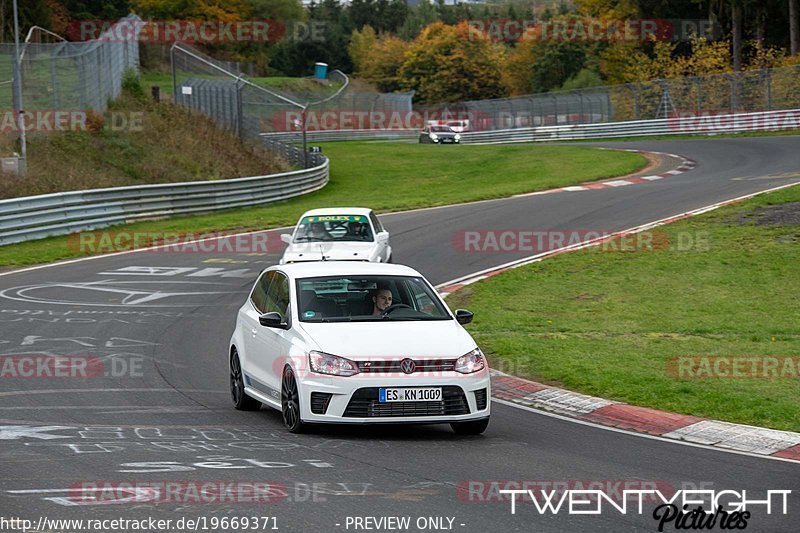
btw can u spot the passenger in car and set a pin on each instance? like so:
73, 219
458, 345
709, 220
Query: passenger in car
318, 231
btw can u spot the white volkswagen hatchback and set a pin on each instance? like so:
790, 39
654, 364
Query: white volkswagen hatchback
343, 342
341, 233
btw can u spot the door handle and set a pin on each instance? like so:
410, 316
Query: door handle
253, 331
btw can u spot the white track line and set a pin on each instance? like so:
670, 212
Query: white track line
640, 435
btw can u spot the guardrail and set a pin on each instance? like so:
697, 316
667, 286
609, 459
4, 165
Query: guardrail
689, 125
35, 217
699, 125
341, 135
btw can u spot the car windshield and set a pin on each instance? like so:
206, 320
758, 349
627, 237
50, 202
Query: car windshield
334, 228
441, 129
367, 299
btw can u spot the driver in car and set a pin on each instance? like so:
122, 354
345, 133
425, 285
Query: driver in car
382, 300
356, 230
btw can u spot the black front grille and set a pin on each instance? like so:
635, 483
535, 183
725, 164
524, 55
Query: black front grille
480, 399
364, 404
319, 402
393, 366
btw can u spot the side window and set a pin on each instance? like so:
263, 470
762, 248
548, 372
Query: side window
278, 294
375, 222
421, 301
259, 296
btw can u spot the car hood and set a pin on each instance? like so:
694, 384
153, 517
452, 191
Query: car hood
391, 339
336, 251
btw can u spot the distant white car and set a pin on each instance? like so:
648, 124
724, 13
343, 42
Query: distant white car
343, 342
338, 234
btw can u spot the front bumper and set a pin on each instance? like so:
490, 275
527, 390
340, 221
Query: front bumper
353, 400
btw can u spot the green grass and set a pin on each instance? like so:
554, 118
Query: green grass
683, 136
606, 324
391, 177
138, 142
280, 83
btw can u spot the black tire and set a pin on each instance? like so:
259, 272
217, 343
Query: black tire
241, 400
290, 403
475, 427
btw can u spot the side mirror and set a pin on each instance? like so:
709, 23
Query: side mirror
287, 238
382, 236
273, 320
463, 316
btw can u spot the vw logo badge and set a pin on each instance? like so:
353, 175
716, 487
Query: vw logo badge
408, 366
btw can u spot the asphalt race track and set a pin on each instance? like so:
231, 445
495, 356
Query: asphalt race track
159, 410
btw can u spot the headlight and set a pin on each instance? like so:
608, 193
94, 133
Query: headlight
332, 365
458, 136
434, 136
470, 362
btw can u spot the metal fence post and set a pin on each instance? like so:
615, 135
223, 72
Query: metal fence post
768, 77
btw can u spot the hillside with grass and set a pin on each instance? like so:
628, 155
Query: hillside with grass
136, 142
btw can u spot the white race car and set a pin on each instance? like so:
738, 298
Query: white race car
342, 342
338, 234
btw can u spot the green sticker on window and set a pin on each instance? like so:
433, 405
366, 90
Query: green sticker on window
335, 218
309, 314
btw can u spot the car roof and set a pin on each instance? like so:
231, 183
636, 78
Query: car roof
312, 269
337, 211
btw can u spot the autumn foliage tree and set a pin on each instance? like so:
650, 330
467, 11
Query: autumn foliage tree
453, 63
378, 59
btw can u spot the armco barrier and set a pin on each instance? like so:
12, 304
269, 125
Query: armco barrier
691, 125
700, 125
342, 135
35, 217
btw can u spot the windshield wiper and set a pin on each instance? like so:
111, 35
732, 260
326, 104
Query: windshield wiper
307, 238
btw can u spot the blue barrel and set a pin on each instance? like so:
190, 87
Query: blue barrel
321, 71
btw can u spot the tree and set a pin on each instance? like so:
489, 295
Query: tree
424, 14
384, 62
794, 27
31, 13
362, 43
453, 63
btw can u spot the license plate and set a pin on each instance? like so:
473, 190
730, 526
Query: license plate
417, 394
